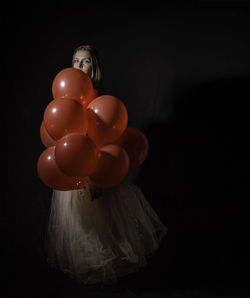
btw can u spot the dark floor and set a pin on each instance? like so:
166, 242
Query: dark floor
36, 279
194, 261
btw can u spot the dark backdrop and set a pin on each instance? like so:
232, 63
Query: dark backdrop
183, 71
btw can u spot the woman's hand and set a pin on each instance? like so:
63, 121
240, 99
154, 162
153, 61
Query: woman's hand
95, 191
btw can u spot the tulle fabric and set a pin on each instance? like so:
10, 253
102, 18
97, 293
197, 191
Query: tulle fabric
96, 241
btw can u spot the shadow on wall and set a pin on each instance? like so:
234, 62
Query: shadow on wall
195, 176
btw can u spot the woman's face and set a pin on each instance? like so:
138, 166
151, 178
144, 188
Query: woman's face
83, 61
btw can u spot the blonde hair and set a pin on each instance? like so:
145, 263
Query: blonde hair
96, 75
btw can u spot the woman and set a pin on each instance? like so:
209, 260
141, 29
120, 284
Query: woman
95, 234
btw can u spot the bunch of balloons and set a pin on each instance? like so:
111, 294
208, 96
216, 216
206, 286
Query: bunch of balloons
86, 135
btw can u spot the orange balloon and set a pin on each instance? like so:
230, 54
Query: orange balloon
52, 176
93, 94
73, 83
107, 119
46, 139
76, 155
112, 166
136, 145
63, 116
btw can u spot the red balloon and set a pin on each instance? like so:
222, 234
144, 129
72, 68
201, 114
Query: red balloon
93, 94
46, 139
107, 119
136, 145
73, 83
76, 155
112, 166
63, 116
52, 176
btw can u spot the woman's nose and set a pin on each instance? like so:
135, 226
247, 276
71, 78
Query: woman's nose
81, 64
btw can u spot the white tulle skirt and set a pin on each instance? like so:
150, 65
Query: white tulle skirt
96, 241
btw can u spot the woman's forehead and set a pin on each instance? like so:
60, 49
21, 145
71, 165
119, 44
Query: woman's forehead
82, 54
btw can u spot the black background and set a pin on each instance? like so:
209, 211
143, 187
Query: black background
183, 71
